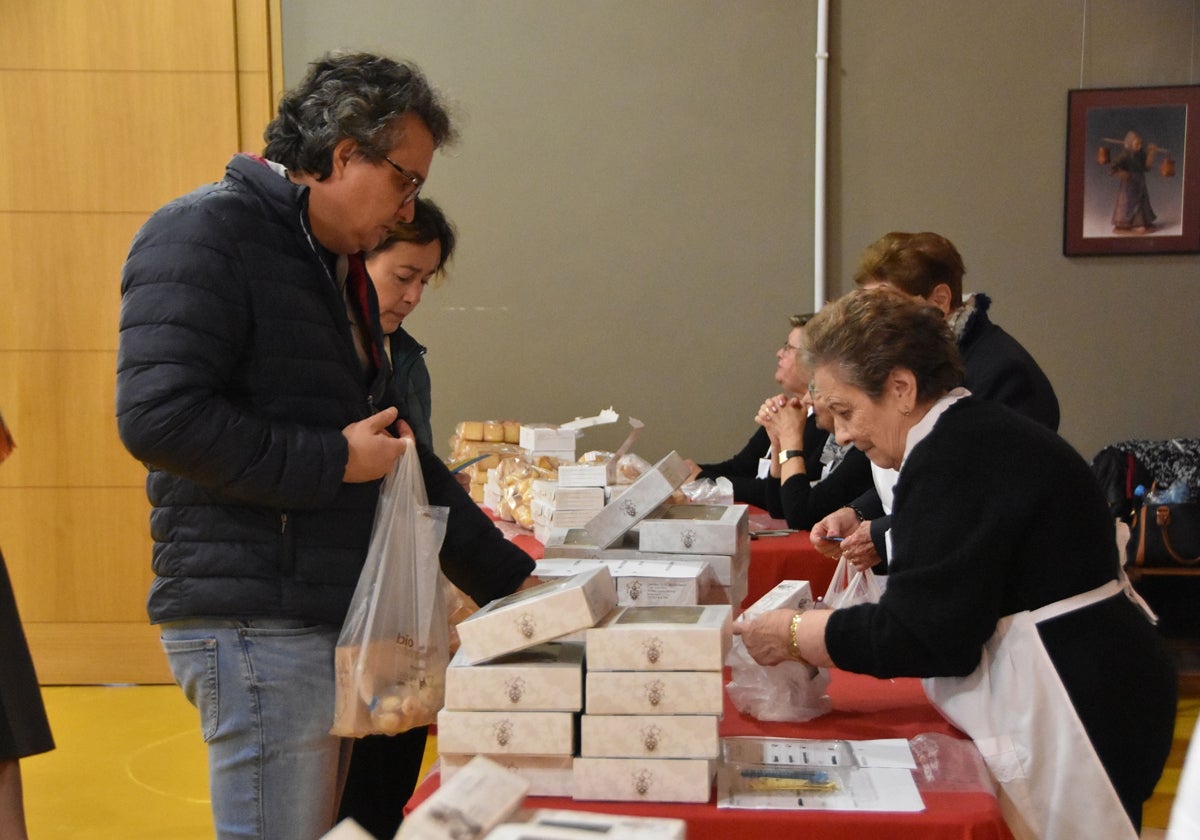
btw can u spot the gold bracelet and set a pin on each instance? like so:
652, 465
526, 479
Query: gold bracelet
794, 642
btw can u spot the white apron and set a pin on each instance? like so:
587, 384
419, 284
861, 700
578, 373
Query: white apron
1016, 710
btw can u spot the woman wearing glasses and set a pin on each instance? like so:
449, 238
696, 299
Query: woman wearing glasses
790, 467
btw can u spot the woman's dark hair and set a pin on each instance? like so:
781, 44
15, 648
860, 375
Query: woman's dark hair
868, 333
352, 95
429, 224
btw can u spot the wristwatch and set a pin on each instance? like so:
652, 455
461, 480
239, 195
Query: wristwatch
788, 454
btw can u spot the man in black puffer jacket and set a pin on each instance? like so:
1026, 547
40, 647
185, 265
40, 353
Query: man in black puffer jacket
251, 381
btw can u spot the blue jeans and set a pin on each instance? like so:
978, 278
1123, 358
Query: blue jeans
265, 692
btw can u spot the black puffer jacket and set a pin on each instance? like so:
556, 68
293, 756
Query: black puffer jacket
236, 373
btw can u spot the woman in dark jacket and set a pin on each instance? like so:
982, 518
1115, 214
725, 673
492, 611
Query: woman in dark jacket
384, 769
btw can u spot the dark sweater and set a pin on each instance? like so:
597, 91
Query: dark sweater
742, 468
996, 514
998, 368
803, 503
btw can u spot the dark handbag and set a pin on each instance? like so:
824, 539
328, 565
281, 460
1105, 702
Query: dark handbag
1165, 538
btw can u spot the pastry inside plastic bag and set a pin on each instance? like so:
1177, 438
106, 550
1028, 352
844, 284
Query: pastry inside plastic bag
630, 468
403, 707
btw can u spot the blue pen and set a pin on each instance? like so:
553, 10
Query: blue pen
833, 539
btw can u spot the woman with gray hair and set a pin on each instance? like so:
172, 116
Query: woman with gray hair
1005, 592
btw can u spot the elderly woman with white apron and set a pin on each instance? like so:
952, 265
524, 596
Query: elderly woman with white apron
1005, 591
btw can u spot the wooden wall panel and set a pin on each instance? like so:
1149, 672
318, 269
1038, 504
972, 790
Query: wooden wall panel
137, 35
60, 406
69, 286
78, 554
107, 110
121, 141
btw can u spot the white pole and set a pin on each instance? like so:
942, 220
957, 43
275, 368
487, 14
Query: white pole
819, 155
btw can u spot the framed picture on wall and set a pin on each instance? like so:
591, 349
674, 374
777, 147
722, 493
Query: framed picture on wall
1133, 171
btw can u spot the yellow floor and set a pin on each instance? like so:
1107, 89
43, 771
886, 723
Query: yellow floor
130, 764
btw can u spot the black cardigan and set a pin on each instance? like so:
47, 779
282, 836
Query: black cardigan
742, 468
996, 514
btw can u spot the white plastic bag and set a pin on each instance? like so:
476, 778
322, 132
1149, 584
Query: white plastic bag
708, 491
794, 691
849, 587
394, 646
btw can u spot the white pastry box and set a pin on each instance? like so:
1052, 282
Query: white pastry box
785, 595
574, 543
616, 826
649, 736
502, 733
661, 639
568, 498
549, 514
586, 475
678, 581
642, 497
541, 438
695, 529
547, 775
545, 677
644, 779
480, 796
536, 615
654, 692
656, 583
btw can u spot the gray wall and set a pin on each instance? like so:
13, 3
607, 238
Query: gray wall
633, 192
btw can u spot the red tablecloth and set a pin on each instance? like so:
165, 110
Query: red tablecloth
772, 559
863, 707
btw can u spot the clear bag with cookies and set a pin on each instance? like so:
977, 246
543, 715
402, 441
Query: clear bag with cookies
392, 653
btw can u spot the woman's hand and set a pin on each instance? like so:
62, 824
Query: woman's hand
372, 449
783, 418
859, 548
841, 524
767, 638
789, 422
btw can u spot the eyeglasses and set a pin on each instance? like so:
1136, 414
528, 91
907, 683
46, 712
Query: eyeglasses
414, 183
789, 348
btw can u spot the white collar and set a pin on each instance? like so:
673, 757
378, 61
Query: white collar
925, 425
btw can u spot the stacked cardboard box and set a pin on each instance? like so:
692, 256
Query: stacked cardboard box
639, 526
706, 530
512, 696
556, 506
648, 582
653, 702
519, 710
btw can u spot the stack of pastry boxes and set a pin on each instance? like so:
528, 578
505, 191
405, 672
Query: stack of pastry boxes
514, 693
543, 450
637, 526
558, 504
653, 701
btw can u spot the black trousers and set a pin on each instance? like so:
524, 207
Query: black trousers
383, 776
